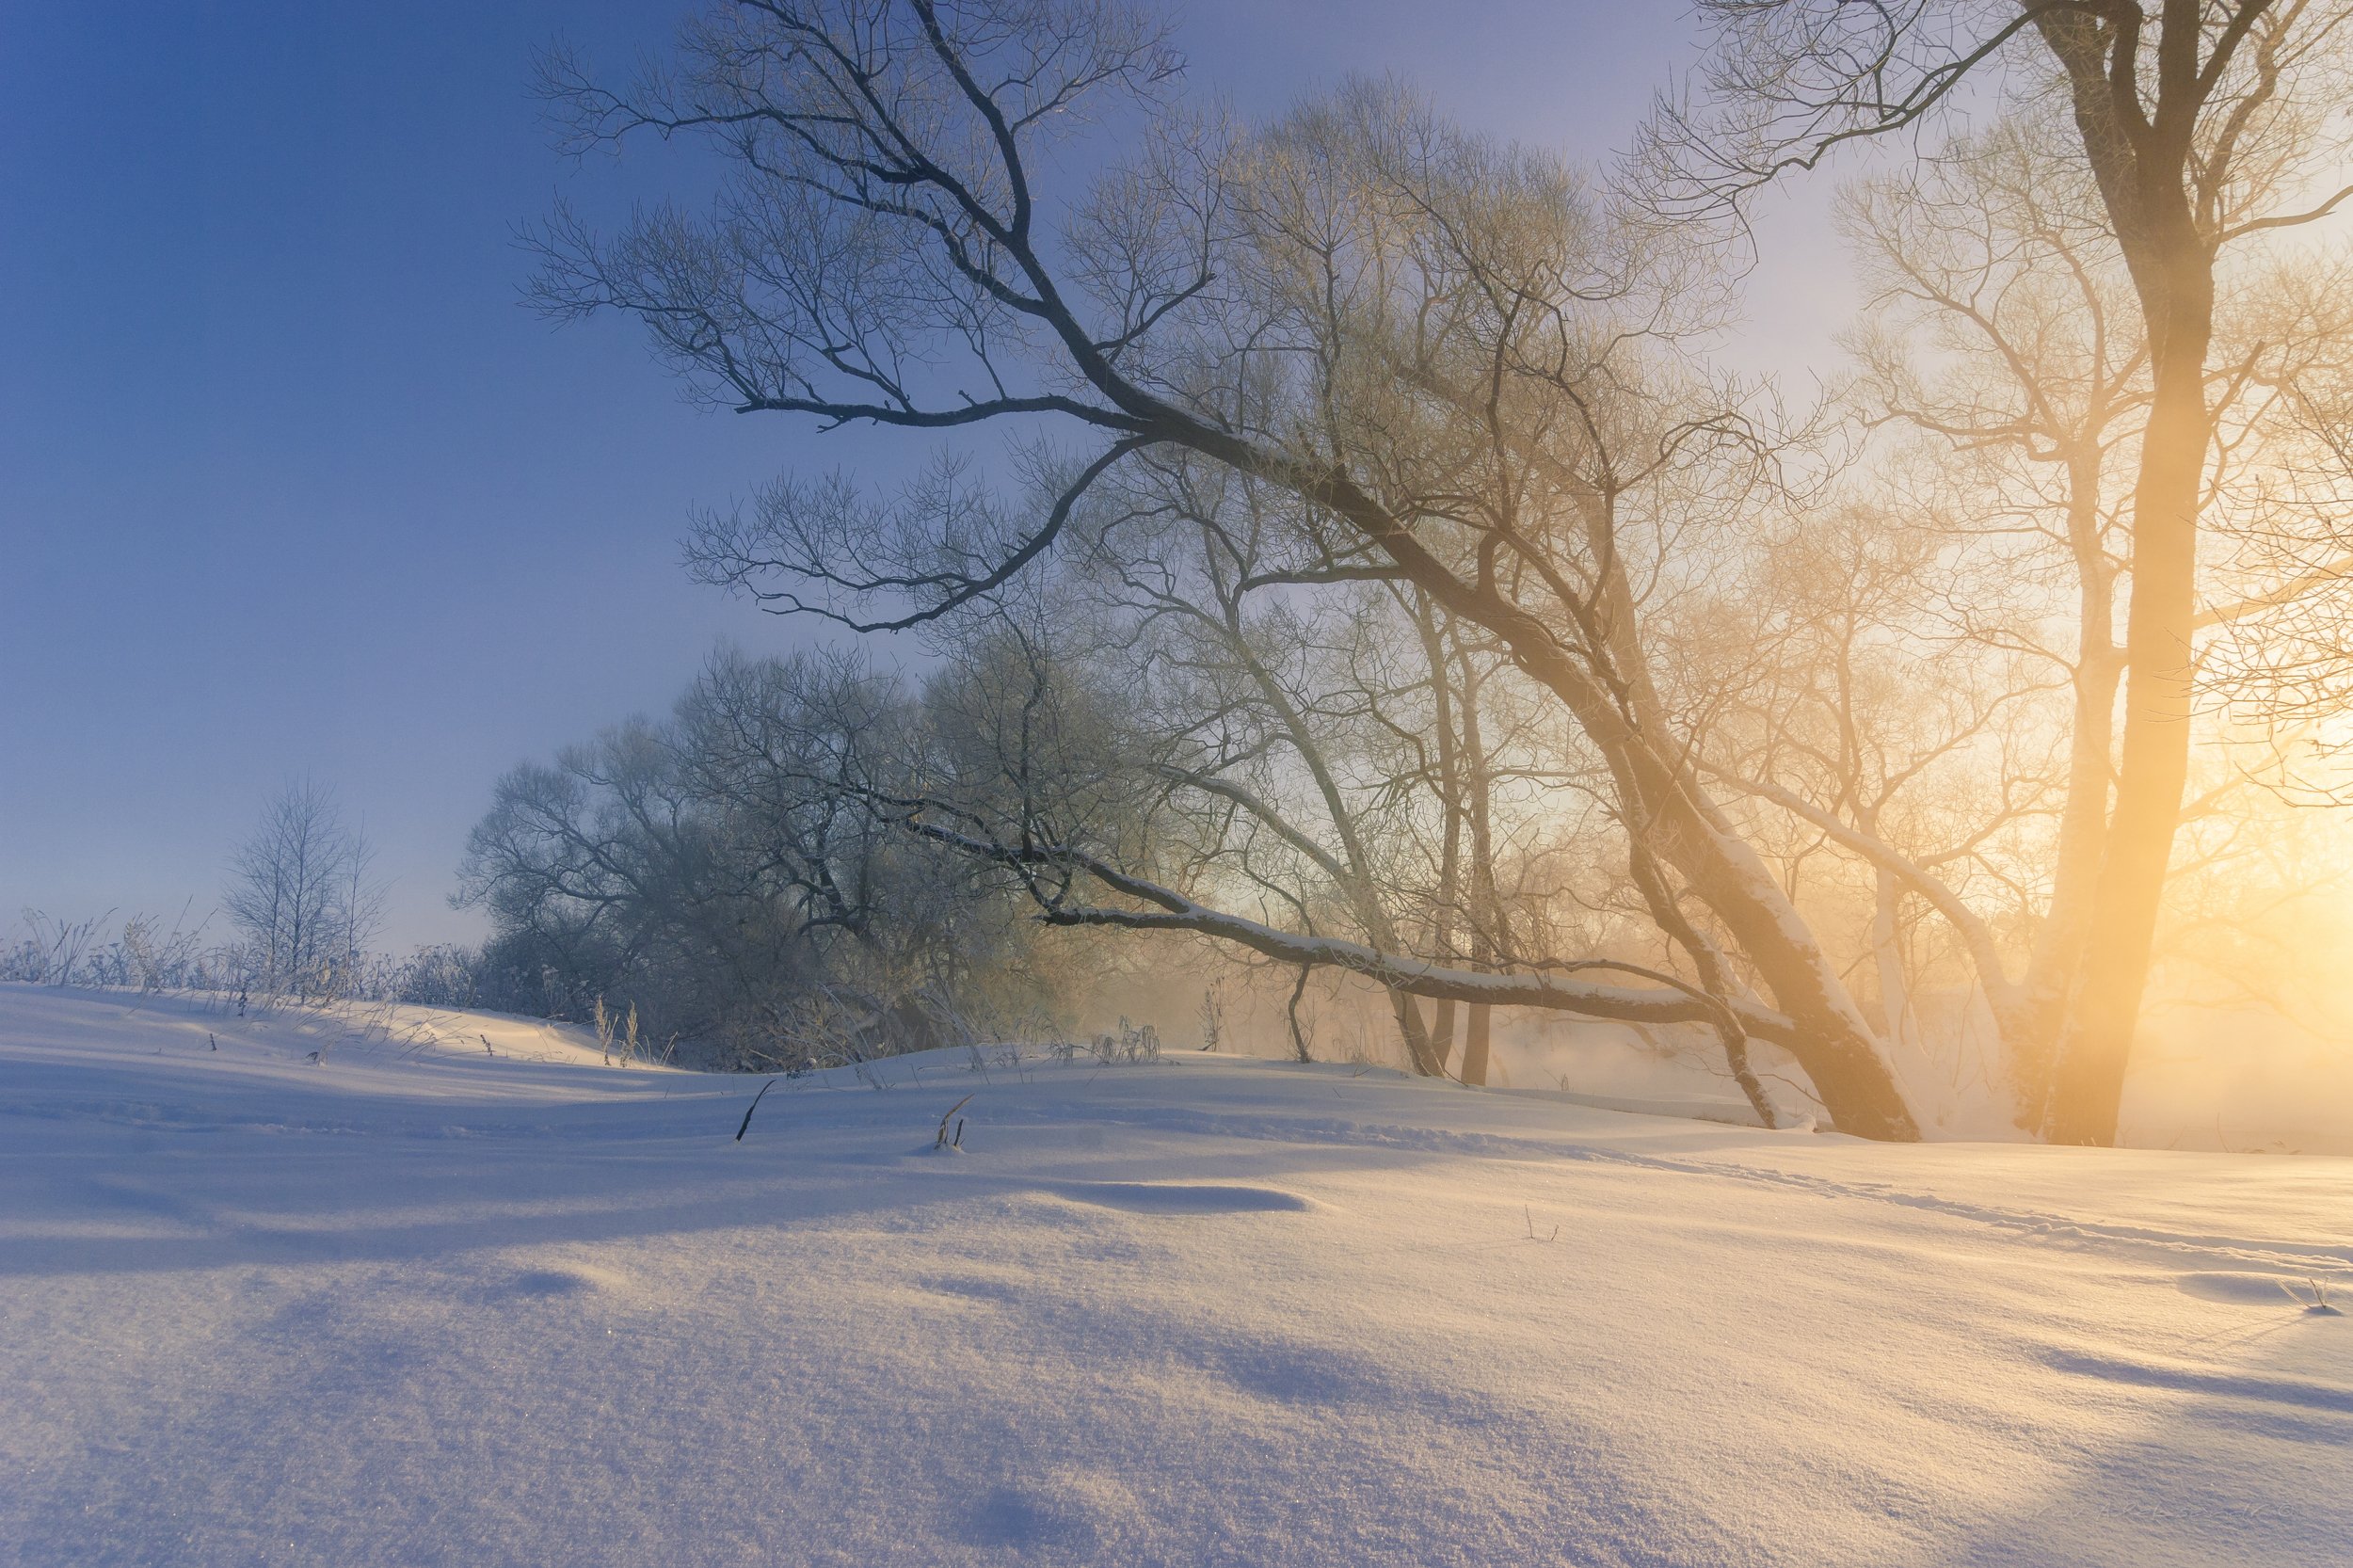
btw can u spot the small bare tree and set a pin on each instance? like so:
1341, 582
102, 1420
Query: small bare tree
300, 894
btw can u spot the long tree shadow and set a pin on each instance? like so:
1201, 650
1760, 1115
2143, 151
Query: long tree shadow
2232, 1446
322, 1196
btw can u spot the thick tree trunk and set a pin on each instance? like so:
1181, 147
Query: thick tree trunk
2143, 157
2096, 1046
1835, 1046
1442, 1030
1836, 1049
1475, 1038
1684, 828
2142, 163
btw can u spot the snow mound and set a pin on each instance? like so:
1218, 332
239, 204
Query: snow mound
339, 1290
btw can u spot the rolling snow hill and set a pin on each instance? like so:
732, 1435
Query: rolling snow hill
454, 1292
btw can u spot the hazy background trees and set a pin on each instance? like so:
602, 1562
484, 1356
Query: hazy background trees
726, 871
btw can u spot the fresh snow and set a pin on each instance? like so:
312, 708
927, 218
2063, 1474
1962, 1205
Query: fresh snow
427, 1301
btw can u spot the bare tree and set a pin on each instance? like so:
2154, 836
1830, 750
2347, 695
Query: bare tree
2003, 333
1452, 359
300, 894
1949, 661
2203, 126
722, 872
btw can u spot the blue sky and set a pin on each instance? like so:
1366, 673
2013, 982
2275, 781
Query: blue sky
291, 484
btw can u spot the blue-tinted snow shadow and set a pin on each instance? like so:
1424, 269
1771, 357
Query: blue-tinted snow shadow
213, 1198
2232, 1448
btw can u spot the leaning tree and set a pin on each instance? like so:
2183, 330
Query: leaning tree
1470, 376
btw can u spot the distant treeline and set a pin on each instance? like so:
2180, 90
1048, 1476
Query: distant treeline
731, 873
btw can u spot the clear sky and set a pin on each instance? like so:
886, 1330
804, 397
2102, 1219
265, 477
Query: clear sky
291, 484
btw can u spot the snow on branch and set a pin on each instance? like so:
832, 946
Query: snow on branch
1173, 911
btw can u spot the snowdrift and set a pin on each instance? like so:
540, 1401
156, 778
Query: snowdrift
429, 1298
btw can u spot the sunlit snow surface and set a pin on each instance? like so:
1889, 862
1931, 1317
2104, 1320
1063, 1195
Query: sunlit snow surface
428, 1302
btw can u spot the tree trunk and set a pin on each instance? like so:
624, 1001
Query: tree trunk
1489, 931
1656, 779
1450, 805
1898, 1027
2030, 1027
1835, 1046
2096, 1047
1475, 1036
1419, 1052
1833, 1043
2141, 167
1442, 1030
1354, 871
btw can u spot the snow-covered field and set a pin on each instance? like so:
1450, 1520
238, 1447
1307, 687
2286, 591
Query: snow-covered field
432, 1302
